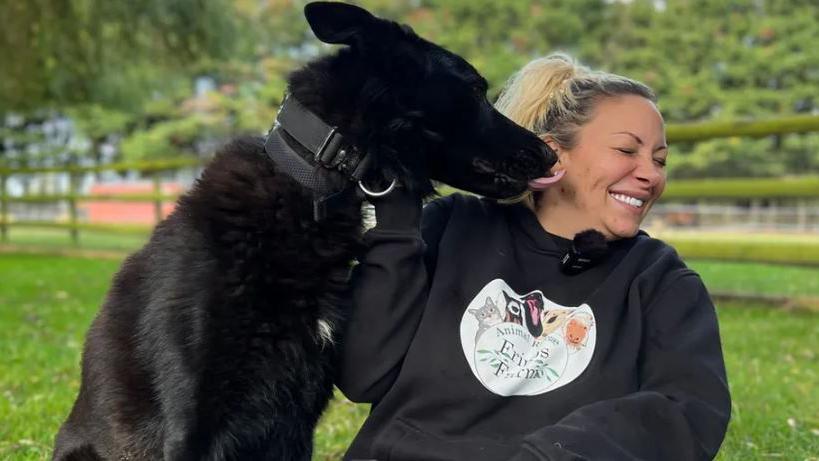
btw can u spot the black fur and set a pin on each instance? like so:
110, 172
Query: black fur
208, 346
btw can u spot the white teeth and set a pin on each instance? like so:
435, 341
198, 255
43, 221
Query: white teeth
626, 199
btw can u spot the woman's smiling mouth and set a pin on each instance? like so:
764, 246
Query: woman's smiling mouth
628, 200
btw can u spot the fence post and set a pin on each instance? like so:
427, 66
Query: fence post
157, 180
753, 215
802, 214
4, 210
73, 186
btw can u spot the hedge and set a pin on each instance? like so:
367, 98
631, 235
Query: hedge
691, 132
744, 188
737, 248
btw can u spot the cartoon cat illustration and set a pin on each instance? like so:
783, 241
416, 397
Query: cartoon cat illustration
487, 315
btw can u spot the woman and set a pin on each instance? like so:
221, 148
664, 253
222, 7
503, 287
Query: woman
471, 342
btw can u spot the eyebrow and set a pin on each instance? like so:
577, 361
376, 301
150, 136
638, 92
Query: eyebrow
640, 141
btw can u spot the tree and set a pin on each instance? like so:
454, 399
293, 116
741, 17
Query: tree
706, 59
58, 53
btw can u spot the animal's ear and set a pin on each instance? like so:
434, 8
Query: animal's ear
338, 23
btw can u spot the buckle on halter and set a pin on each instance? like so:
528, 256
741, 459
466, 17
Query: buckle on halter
329, 154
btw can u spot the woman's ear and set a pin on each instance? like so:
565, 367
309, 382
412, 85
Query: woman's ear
550, 141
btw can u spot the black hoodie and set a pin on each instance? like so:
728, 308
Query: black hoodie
471, 344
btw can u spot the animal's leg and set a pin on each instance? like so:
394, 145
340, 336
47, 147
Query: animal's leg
178, 397
84, 453
72, 443
180, 442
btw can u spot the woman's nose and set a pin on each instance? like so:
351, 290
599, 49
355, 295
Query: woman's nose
649, 172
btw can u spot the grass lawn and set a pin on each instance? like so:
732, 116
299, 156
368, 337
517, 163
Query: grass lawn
46, 304
769, 279
60, 238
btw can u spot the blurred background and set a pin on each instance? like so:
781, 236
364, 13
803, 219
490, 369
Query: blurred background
109, 109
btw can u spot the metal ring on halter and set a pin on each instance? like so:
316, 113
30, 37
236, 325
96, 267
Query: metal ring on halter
380, 193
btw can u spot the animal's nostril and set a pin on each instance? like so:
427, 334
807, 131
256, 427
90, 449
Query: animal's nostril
529, 163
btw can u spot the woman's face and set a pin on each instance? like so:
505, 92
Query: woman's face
614, 174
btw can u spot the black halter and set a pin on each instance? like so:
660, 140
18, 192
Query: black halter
327, 149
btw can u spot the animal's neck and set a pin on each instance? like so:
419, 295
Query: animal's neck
344, 92
334, 88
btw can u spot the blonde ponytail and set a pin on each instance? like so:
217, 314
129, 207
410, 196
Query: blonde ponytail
538, 89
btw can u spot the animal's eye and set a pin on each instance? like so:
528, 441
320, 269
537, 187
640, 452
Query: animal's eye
480, 87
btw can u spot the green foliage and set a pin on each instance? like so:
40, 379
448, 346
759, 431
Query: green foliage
60, 53
169, 139
245, 107
741, 188
708, 60
716, 60
96, 121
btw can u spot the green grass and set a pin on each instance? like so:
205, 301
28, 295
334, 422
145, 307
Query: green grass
60, 238
46, 304
771, 357
724, 246
743, 246
766, 279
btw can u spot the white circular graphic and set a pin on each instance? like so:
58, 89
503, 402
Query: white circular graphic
525, 344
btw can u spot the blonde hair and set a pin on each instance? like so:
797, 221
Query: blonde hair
554, 96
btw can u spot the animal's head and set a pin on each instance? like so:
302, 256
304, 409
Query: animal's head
553, 319
534, 307
419, 108
514, 309
577, 329
488, 313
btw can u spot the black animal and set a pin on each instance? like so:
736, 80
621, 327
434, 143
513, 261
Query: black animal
216, 340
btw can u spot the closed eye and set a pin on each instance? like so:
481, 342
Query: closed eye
661, 162
480, 86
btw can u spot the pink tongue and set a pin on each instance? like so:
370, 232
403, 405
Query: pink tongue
545, 182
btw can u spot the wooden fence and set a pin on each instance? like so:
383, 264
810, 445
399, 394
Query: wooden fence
801, 188
74, 196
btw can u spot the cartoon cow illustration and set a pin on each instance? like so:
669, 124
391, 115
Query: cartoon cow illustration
525, 312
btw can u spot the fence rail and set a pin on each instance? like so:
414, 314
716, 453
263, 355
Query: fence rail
151, 166
805, 190
74, 197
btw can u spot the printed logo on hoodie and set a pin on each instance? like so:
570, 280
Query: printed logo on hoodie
525, 344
